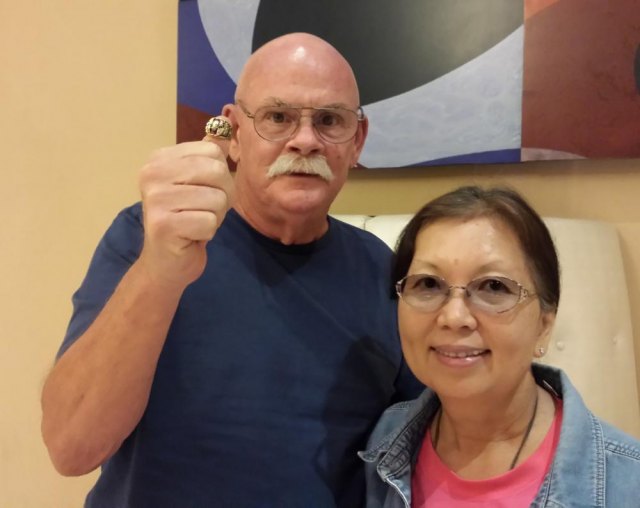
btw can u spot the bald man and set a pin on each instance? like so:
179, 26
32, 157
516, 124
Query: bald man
231, 344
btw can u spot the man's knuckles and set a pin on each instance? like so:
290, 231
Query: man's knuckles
191, 225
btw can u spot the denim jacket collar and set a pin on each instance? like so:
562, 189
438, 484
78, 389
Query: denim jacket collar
397, 452
580, 453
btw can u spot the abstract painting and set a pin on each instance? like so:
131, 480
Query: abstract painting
487, 81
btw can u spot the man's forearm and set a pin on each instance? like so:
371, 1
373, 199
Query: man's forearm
98, 390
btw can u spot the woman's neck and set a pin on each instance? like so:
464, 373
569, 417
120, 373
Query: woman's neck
482, 443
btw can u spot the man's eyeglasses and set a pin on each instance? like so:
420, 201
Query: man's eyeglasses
277, 123
491, 294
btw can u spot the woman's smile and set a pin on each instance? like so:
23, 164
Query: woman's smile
459, 356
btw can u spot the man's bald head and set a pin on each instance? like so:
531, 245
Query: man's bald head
305, 52
286, 76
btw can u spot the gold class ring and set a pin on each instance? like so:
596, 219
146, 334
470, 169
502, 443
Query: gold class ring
218, 127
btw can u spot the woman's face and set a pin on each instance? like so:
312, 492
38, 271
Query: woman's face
458, 350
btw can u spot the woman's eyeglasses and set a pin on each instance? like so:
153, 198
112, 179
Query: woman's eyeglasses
490, 294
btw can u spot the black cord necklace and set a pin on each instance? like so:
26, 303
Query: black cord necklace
436, 435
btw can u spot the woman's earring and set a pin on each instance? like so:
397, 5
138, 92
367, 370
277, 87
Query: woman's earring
540, 352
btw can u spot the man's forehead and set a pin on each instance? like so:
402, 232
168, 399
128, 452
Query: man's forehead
310, 80
284, 103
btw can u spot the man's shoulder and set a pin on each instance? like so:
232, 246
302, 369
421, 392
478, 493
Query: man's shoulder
356, 234
131, 213
125, 234
129, 217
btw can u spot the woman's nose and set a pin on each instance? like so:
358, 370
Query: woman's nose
456, 313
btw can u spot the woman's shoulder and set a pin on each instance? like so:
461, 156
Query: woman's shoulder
622, 466
392, 420
620, 444
401, 417
615, 439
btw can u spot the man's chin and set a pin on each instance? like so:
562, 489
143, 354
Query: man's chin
306, 200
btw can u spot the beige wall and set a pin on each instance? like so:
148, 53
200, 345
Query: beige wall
87, 90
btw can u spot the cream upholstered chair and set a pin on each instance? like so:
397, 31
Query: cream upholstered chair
592, 339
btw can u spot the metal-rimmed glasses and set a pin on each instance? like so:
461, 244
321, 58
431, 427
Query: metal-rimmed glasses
280, 122
491, 294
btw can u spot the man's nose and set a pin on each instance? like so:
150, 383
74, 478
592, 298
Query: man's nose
305, 140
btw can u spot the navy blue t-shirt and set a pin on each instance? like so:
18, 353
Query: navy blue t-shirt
277, 365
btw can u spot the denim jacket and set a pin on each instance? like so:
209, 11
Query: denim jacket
595, 464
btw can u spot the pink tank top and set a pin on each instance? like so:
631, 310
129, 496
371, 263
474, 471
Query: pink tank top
433, 484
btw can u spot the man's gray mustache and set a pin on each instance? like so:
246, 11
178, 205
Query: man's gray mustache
313, 165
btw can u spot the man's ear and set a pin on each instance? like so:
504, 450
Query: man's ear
231, 112
361, 136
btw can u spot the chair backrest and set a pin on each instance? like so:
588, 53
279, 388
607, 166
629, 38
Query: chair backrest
592, 340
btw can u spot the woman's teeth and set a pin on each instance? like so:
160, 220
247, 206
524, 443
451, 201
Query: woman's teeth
461, 354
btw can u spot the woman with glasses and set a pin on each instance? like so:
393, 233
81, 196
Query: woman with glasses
478, 280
